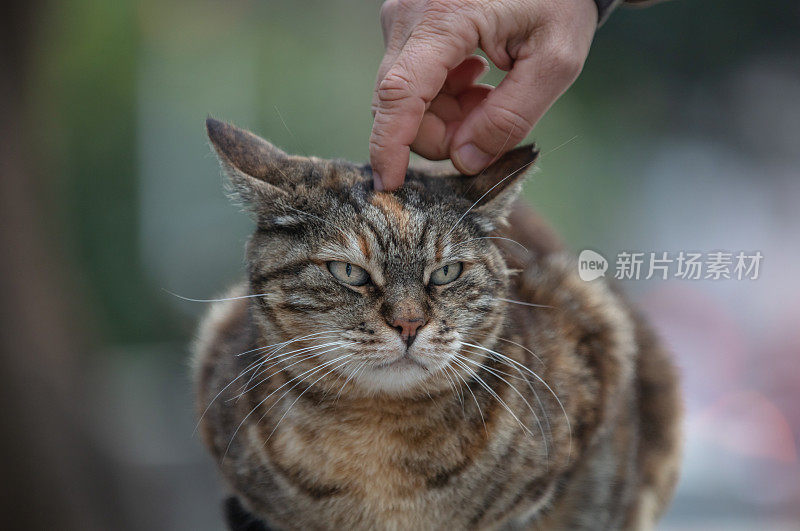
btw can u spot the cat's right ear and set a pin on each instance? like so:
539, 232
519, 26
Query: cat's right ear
258, 171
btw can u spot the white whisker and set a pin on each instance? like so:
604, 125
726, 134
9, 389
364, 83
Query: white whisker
293, 340
498, 183
304, 392
480, 412
523, 347
236, 431
352, 374
493, 238
216, 300
539, 378
523, 303
513, 388
287, 357
561, 145
219, 394
527, 380
271, 355
493, 393
451, 383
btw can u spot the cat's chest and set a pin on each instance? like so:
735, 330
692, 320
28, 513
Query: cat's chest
384, 458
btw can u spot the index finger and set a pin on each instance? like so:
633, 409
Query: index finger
402, 96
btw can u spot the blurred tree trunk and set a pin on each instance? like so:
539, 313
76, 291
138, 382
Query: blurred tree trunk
50, 477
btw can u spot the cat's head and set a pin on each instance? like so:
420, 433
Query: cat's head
385, 291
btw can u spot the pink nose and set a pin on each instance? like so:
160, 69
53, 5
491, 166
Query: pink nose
408, 328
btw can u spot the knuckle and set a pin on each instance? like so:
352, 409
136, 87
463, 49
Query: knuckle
450, 25
440, 6
450, 6
440, 38
397, 16
441, 34
389, 6
392, 8
388, 11
394, 86
505, 121
377, 144
442, 16
381, 129
563, 59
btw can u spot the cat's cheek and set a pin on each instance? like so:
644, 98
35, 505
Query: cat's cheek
362, 315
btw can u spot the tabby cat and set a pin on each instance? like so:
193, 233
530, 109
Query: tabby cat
424, 359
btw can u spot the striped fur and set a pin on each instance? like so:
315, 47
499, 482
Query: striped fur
559, 410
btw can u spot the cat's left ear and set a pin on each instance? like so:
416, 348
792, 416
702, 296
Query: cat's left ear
494, 189
259, 172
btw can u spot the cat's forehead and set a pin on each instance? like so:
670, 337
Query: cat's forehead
389, 208
367, 227
408, 212
348, 186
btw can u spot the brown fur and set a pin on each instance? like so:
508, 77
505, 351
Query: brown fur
329, 450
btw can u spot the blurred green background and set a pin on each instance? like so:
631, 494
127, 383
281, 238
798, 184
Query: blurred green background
681, 133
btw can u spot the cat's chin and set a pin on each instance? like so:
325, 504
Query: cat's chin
401, 362
400, 376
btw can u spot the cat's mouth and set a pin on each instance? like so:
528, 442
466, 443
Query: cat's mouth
403, 361
403, 370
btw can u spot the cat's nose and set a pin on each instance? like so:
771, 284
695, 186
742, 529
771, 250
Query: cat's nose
408, 328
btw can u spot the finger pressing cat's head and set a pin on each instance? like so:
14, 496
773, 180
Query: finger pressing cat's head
394, 285
264, 177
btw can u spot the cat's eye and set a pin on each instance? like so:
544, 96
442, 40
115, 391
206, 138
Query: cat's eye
447, 274
348, 273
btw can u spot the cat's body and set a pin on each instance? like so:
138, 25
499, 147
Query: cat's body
483, 443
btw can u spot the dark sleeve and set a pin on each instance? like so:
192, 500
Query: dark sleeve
605, 7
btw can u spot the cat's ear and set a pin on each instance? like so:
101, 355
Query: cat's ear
258, 171
494, 189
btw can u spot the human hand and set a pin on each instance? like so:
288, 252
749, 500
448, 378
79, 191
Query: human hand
426, 97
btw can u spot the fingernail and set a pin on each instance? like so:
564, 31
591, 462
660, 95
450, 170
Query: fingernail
471, 158
377, 181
